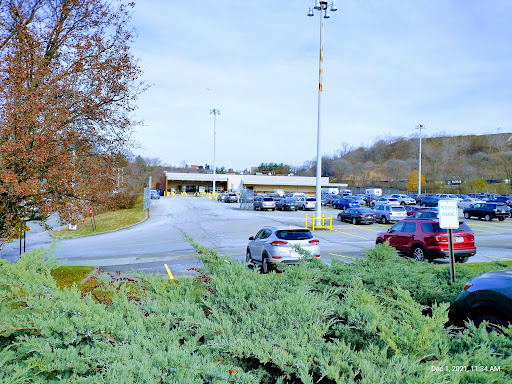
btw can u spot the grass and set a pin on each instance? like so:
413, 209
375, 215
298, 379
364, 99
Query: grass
105, 222
67, 276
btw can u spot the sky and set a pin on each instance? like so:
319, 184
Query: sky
389, 65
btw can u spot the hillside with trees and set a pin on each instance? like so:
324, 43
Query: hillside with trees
466, 162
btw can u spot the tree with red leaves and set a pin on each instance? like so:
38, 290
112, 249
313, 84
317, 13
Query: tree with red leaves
68, 84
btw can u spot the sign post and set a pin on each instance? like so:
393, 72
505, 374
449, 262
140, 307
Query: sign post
449, 219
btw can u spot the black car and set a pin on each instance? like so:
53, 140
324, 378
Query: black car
430, 201
487, 297
287, 204
426, 213
488, 211
358, 216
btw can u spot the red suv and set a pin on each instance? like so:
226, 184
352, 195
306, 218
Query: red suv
424, 239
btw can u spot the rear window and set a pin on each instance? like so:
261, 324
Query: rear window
296, 234
268, 199
398, 209
434, 227
310, 199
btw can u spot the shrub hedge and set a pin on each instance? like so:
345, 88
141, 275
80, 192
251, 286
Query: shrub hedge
382, 319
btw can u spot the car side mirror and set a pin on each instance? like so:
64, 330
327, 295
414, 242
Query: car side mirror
390, 230
251, 238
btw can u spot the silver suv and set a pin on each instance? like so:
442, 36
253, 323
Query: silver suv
306, 203
264, 202
404, 199
387, 213
277, 245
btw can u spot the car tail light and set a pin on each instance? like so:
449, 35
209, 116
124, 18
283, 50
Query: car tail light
277, 243
442, 239
314, 242
317, 255
276, 257
361, 215
467, 286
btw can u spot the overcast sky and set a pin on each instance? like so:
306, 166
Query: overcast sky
389, 65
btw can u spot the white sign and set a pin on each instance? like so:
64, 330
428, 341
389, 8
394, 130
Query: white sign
448, 214
72, 227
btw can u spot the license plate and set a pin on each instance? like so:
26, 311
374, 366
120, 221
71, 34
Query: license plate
459, 239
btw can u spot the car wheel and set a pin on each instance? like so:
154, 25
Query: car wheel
384, 220
494, 323
339, 217
467, 216
419, 254
273, 209
265, 265
487, 218
354, 221
402, 203
379, 242
248, 258
501, 218
461, 259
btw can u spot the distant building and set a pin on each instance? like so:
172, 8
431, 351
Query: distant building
190, 182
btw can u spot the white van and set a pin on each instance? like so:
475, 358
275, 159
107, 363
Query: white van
373, 191
346, 192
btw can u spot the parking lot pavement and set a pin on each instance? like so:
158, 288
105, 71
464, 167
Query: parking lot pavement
226, 228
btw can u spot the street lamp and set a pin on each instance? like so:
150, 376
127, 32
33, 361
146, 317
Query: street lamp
214, 112
320, 6
420, 127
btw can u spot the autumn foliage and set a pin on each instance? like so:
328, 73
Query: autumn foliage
68, 84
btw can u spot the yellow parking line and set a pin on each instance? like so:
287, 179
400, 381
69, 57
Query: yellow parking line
348, 257
364, 238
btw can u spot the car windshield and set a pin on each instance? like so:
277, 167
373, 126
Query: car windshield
294, 234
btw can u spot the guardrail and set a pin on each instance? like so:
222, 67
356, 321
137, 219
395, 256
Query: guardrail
322, 220
213, 196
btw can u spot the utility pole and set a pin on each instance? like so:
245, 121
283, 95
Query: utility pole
420, 127
214, 112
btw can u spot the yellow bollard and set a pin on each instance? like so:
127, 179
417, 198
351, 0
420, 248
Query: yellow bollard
169, 272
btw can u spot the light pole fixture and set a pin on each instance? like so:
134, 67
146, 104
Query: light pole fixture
420, 127
214, 112
321, 7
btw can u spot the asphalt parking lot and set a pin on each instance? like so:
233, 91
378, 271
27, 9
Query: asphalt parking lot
226, 228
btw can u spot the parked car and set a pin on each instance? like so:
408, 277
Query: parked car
358, 216
386, 213
345, 203
425, 239
276, 245
468, 202
487, 211
412, 209
154, 194
385, 200
430, 201
502, 199
263, 202
427, 213
287, 204
331, 198
448, 196
305, 203
488, 297
231, 198
359, 199
403, 199
221, 196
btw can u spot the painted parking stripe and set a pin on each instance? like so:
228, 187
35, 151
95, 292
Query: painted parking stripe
364, 238
361, 227
348, 257
496, 257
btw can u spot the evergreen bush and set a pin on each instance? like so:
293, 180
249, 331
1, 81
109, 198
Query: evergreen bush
382, 319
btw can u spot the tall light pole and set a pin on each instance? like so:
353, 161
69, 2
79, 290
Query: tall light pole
214, 112
320, 6
420, 127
